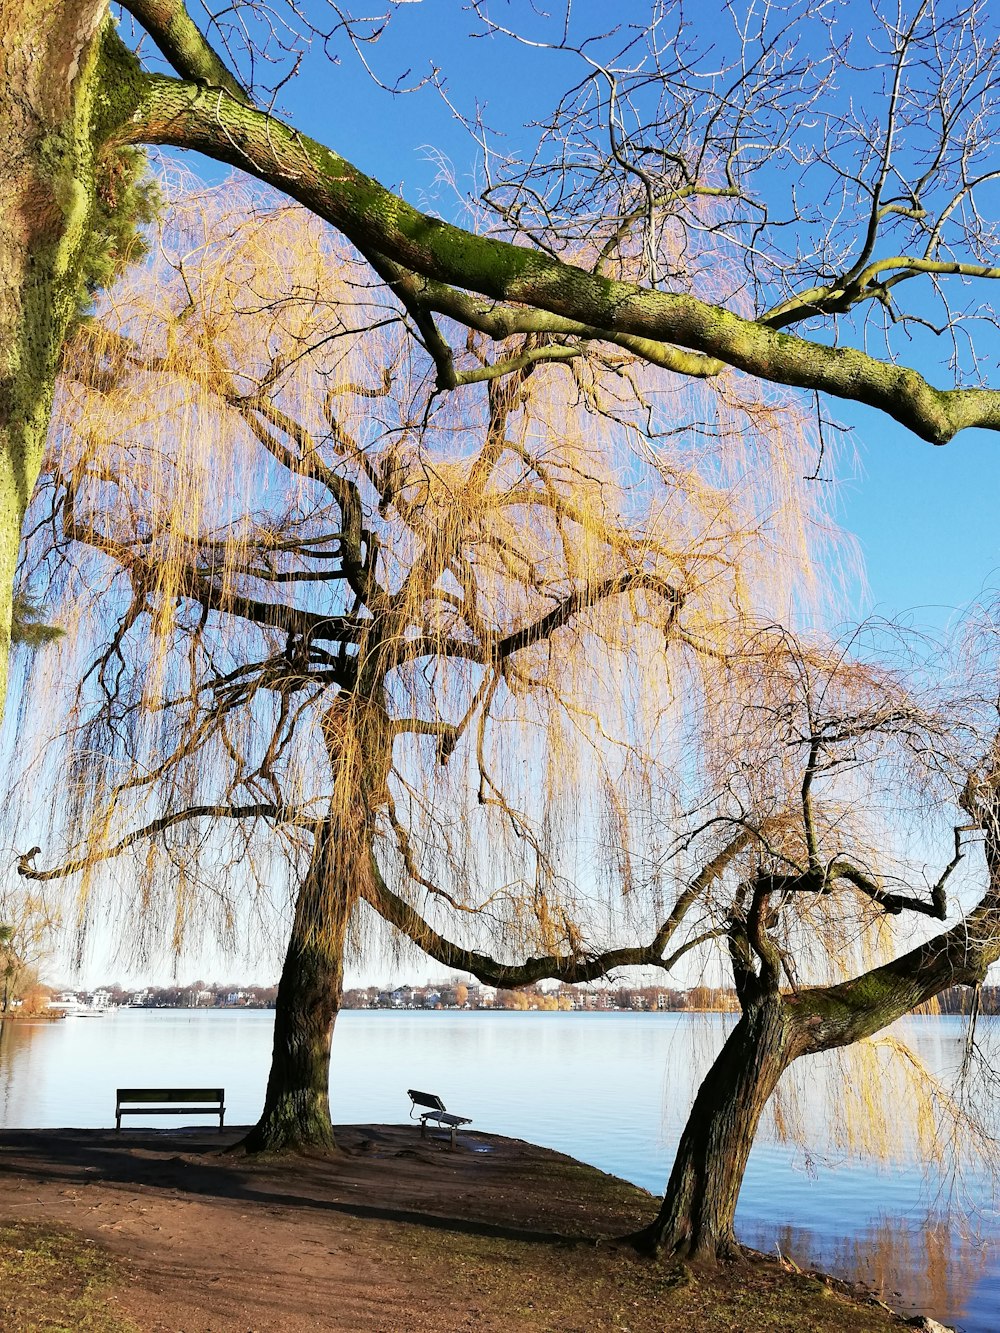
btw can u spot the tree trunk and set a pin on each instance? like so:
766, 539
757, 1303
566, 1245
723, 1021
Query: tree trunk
296, 1112
50, 106
696, 1218
296, 1115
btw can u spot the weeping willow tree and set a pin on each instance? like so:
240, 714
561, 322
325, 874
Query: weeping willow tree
849, 778
452, 660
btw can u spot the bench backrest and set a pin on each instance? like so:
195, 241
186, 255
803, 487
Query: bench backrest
426, 1099
171, 1095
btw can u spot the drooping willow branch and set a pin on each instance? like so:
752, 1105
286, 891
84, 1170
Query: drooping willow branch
261, 810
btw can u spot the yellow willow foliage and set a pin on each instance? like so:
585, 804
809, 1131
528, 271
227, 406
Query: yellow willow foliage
509, 623
878, 1100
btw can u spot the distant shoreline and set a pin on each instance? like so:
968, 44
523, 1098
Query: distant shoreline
608, 1012
405, 1009
460, 996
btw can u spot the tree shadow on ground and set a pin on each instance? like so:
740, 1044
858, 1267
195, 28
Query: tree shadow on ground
489, 1186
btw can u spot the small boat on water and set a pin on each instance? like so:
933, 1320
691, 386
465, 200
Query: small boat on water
73, 1007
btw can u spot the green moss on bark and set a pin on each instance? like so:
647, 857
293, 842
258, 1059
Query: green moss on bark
76, 208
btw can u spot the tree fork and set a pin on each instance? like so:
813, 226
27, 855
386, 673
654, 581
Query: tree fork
696, 1218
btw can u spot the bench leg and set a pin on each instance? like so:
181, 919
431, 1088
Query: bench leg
453, 1128
118, 1121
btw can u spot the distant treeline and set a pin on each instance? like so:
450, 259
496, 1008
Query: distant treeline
960, 999
698, 999
459, 994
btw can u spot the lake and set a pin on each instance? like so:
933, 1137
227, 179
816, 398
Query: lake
612, 1089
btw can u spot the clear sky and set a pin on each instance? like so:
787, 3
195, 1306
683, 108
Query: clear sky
925, 518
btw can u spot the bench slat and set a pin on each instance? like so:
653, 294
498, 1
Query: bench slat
171, 1094
170, 1110
426, 1099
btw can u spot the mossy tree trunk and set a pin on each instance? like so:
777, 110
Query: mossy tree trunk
53, 102
696, 1218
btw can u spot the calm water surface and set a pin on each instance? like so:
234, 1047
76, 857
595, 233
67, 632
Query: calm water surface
610, 1089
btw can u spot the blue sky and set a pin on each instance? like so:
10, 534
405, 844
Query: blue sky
926, 518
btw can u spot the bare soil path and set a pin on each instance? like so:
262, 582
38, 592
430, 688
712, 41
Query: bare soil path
394, 1234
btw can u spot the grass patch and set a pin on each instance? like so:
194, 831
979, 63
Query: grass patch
586, 1288
55, 1281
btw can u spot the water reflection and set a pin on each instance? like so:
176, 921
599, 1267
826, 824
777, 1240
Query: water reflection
929, 1266
611, 1089
15, 1069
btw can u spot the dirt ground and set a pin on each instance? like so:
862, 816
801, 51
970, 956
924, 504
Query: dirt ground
394, 1234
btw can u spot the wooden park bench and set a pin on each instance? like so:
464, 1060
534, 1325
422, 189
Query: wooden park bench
198, 1101
438, 1113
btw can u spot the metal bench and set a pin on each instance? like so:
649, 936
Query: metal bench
438, 1112
199, 1101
